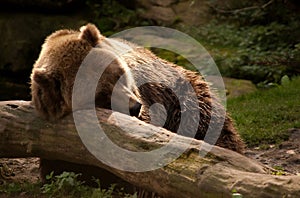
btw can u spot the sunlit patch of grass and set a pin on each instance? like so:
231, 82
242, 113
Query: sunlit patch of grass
263, 117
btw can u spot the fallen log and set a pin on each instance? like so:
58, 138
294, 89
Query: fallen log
24, 134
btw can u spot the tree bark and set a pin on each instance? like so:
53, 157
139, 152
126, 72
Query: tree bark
24, 134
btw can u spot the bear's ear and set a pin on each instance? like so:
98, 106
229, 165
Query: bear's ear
90, 33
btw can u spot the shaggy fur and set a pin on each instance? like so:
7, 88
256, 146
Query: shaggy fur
54, 73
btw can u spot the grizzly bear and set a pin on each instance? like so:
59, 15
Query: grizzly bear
63, 52
149, 80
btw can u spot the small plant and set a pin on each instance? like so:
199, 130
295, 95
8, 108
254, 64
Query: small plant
260, 53
285, 80
278, 170
110, 192
235, 194
103, 193
65, 183
10, 188
15, 189
68, 185
259, 37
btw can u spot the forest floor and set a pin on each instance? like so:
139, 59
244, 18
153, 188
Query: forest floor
285, 157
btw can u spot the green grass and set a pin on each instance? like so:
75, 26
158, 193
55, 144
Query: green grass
265, 116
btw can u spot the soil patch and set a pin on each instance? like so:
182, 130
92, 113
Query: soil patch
284, 157
19, 170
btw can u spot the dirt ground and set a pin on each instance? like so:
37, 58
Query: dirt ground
285, 156
19, 170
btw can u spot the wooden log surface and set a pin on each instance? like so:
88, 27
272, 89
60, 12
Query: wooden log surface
24, 134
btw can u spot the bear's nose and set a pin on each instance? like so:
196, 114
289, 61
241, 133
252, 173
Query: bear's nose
134, 110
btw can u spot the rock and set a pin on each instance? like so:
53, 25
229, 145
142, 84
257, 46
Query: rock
193, 13
235, 87
291, 152
164, 3
163, 14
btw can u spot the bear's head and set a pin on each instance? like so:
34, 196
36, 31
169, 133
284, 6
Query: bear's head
54, 73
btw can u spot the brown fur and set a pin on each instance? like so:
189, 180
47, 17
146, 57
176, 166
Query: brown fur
55, 70
54, 73
91, 34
